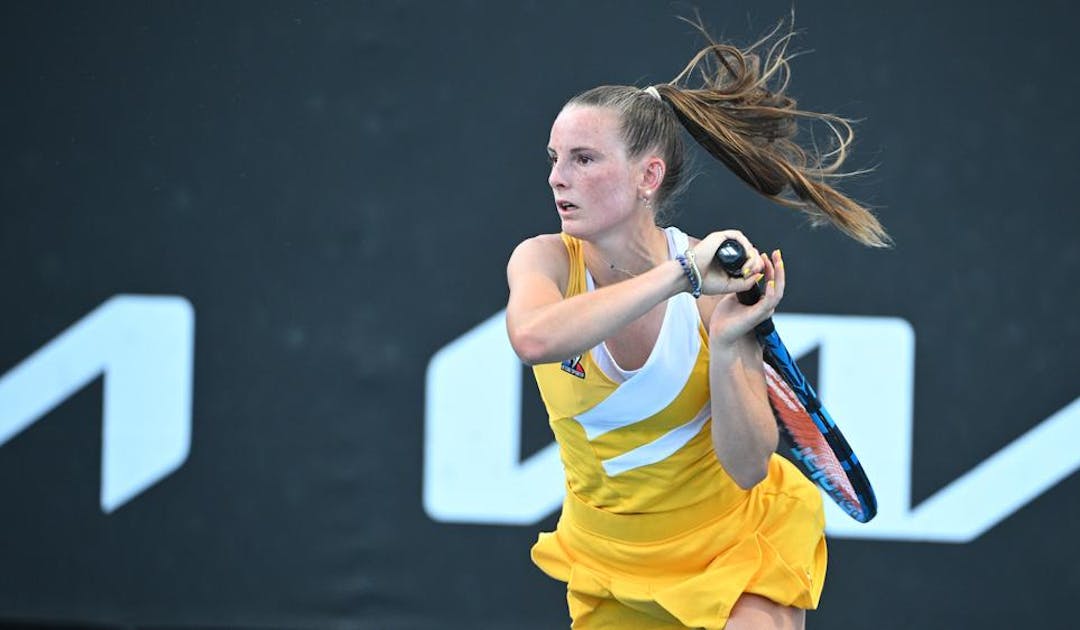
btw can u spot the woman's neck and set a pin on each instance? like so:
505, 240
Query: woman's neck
626, 254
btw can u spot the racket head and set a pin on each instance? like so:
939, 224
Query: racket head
814, 444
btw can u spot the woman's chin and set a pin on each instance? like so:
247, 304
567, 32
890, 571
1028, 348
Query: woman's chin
574, 227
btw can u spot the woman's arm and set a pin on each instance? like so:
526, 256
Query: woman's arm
744, 431
545, 327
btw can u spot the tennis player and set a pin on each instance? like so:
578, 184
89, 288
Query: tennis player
678, 514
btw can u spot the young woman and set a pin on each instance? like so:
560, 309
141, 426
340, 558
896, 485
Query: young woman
678, 513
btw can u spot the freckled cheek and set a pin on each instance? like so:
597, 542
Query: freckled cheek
607, 186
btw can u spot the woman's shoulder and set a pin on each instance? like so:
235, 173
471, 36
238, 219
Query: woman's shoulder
544, 253
546, 247
546, 241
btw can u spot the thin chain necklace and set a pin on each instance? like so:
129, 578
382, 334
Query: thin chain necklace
612, 266
615, 267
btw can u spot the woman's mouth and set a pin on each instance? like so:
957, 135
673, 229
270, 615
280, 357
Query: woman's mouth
564, 206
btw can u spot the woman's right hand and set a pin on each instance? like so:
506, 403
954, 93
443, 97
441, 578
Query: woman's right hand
714, 280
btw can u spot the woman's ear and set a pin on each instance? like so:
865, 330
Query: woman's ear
652, 176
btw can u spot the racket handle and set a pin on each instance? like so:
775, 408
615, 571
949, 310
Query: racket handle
732, 257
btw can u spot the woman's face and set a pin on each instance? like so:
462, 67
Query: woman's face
595, 183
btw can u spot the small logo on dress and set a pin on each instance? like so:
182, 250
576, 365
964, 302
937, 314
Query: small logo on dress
573, 366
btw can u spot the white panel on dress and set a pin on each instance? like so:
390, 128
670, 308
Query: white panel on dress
665, 373
660, 448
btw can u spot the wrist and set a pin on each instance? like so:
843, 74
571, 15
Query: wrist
676, 279
723, 352
721, 339
688, 264
743, 349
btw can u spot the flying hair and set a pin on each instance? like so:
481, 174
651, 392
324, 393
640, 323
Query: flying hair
733, 103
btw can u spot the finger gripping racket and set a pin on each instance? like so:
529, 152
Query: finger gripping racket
809, 437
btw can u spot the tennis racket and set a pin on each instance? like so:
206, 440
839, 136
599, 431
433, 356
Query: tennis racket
808, 435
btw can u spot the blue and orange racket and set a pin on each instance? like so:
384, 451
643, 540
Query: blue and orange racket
809, 437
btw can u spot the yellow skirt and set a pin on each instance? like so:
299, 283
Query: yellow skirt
686, 568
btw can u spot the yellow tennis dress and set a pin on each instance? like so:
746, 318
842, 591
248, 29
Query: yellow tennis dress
654, 533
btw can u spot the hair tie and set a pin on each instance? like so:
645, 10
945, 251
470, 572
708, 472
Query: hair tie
653, 92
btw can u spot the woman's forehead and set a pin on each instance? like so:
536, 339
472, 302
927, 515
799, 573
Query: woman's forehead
578, 125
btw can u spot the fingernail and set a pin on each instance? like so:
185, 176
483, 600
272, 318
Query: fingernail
772, 284
758, 278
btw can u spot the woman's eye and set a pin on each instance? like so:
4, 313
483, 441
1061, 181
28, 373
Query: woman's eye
584, 159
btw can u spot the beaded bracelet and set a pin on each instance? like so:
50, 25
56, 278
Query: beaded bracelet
691, 257
690, 268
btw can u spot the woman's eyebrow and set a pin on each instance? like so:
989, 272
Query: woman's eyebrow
574, 151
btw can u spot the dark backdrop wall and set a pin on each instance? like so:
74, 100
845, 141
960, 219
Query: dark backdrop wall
329, 193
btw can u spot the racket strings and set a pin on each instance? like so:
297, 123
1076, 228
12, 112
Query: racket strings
809, 446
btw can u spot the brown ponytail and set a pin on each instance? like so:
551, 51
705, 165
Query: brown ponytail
742, 117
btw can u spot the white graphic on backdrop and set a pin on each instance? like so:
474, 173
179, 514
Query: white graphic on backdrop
472, 473
144, 346
472, 436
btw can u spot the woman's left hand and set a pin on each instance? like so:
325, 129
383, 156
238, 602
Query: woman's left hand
731, 320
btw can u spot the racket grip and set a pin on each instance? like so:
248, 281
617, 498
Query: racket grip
732, 257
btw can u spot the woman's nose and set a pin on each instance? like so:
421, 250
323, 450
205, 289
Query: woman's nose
555, 178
